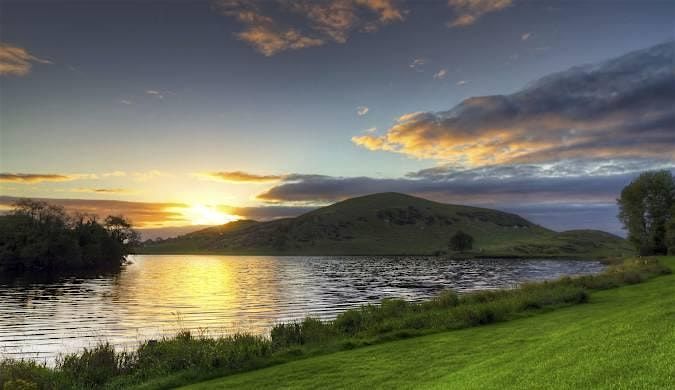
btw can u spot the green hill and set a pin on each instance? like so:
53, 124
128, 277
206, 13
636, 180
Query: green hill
393, 224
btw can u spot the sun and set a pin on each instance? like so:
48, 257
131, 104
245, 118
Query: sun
200, 214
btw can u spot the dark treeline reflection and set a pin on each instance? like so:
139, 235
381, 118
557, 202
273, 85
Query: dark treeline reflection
43, 239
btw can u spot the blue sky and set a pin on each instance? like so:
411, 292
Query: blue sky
145, 98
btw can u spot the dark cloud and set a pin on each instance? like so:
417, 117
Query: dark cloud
624, 107
567, 195
565, 181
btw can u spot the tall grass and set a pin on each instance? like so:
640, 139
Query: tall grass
187, 356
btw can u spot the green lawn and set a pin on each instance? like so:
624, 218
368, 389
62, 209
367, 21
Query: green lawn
623, 338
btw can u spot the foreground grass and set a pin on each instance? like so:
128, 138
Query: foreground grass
623, 338
188, 358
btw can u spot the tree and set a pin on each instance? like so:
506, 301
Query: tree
645, 208
42, 237
670, 232
461, 241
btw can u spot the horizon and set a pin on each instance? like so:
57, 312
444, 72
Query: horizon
200, 113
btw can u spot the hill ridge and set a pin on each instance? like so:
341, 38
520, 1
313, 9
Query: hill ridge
393, 223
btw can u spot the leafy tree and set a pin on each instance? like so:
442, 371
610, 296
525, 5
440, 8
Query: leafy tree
645, 208
39, 236
461, 241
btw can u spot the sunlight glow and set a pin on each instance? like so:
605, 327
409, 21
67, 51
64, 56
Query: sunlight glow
200, 214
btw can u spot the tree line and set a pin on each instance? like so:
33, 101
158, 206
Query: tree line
37, 236
647, 210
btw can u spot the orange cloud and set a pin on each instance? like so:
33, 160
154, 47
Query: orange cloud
620, 108
35, 177
467, 12
103, 190
319, 23
16, 61
240, 177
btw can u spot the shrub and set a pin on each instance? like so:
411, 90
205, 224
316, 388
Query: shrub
93, 367
25, 374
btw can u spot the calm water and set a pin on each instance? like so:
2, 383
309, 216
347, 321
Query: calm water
157, 294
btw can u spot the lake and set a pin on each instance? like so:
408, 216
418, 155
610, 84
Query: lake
158, 294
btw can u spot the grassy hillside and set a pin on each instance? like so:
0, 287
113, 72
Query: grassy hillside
393, 224
622, 338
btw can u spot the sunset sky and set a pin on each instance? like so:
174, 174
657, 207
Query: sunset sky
199, 112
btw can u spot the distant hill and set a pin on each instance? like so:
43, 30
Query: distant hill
393, 224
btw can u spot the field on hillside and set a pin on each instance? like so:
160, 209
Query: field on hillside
622, 338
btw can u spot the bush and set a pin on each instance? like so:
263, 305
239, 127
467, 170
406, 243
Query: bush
25, 374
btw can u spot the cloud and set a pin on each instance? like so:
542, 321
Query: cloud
362, 110
568, 195
370, 130
148, 175
153, 215
462, 82
526, 36
266, 213
318, 22
624, 107
154, 93
239, 177
103, 190
441, 74
141, 214
417, 64
467, 12
16, 61
114, 174
31, 178
568, 181
127, 102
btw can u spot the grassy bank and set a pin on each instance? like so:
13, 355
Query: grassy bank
623, 338
188, 358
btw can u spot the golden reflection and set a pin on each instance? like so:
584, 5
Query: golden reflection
223, 294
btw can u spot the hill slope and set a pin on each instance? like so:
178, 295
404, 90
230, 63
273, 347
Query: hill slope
392, 224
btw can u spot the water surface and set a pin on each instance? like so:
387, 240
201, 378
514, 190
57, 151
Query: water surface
158, 294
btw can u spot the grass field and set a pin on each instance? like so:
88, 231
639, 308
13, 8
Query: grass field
624, 338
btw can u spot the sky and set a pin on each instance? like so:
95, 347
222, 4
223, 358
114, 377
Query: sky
180, 113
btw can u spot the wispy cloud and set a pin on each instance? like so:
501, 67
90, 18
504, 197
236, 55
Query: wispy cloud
441, 74
127, 102
624, 107
31, 178
239, 177
114, 174
526, 36
318, 22
362, 110
16, 61
370, 130
462, 82
148, 175
103, 190
467, 12
155, 93
417, 64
